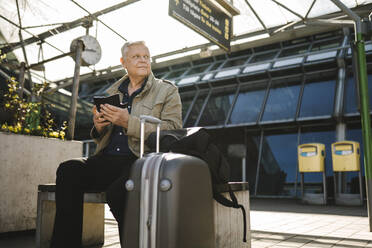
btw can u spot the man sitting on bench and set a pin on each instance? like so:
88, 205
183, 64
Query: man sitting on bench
116, 132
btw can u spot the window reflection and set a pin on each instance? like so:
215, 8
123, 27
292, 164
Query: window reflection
278, 165
224, 137
217, 108
290, 61
318, 99
321, 56
352, 178
294, 51
235, 62
248, 104
159, 73
282, 102
215, 66
263, 56
175, 74
186, 102
198, 69
196, 109
326, 45
350, 99
252, 145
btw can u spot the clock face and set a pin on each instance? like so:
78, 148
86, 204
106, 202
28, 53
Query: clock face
92, 50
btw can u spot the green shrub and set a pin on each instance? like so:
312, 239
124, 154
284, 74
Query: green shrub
30, 118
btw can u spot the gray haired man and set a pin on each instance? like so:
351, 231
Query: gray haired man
116, 132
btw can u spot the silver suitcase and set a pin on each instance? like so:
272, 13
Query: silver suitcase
169, 201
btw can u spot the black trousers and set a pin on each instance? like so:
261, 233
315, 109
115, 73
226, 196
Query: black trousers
101, 172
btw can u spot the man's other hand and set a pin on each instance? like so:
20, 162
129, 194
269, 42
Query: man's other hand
117, 116
99, 121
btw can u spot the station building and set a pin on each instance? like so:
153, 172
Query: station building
270, 95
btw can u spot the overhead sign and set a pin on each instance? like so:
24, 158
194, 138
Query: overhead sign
205, 18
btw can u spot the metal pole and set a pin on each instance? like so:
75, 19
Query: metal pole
86, 149
244, 170
258, 163
365, 119
75, 89
51, 59
21, 78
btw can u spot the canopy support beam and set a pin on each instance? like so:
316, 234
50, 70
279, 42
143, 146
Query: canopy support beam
65, 27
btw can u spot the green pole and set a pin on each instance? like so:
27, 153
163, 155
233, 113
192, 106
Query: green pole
365, 119
364, 101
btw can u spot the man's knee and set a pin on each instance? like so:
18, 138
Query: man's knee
116, 194
69, 169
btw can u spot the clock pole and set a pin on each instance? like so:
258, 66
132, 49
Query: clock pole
75, 90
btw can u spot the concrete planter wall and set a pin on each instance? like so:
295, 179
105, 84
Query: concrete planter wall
26, 162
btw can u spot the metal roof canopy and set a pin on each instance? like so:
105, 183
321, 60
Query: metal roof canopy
264, 18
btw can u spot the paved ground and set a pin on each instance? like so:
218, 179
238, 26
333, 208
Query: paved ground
287, 223
275, 223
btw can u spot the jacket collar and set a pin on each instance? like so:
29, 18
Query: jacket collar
115, 87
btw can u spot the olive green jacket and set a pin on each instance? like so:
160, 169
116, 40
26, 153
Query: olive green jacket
159, 98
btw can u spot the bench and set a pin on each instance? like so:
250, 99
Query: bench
228, 221
93, 218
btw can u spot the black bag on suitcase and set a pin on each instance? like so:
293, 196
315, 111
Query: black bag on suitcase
196, 141
169, 202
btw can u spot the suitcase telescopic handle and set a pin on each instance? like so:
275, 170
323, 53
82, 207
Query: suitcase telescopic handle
153, 120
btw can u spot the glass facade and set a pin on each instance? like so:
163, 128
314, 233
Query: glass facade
294, 50
327, 44
215, 66
186, 103
198, 69
253, 146
234, 62
352, 178
282, 102
277, 172
273, 98
217, 108
248, 104
297, 106
263, 56
196, 108
318, 99
175, 74
351, 100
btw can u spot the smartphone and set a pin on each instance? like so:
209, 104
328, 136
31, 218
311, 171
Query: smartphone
112, 100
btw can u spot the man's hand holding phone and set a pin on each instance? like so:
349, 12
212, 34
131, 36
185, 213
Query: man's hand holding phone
116, 115
109, 109
99, 121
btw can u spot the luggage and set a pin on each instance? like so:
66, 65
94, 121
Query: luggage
169, 201
196, 141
